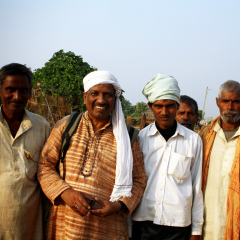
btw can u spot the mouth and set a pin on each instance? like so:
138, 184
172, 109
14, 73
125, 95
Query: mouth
100, 107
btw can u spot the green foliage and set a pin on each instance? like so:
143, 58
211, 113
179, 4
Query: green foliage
200, 114
128, 108
140, 109
63, 75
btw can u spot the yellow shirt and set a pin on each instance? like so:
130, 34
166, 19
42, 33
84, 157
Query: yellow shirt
20, 199
215, 200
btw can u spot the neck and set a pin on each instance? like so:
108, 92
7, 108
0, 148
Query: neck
230, 126
12, 117
98, 124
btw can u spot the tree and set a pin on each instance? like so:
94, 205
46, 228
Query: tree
141, 107
128, 108
63, 75
200, 114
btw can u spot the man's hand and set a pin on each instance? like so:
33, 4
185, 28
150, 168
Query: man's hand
108, 208
195, 237
74, 198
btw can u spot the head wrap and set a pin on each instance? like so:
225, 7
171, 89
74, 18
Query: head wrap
124, 161
162, 87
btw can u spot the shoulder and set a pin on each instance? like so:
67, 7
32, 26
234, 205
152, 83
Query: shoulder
37, 119
190, 135
146, 132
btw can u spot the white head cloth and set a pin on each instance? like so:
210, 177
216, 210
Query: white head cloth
162, 87
124, 161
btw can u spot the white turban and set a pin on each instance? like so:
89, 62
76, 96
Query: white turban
162, 87
124, 163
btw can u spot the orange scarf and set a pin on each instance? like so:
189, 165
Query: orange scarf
233, 197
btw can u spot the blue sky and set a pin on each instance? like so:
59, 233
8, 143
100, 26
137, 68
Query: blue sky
196, 41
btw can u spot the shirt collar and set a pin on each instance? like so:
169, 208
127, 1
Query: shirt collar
179, 131
218, 128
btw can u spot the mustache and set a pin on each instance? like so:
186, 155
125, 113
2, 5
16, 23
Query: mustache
186, 123
235, 113
14, 101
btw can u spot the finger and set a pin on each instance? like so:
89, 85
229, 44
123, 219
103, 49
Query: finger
99, 201
81, 209
83, 201
98, 212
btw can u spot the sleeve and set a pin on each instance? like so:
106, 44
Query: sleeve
139, 180
50, 181
197, 207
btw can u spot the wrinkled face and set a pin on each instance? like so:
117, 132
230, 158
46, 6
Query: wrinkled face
15, 93
100, 101
229, 106
186, 115
164, 112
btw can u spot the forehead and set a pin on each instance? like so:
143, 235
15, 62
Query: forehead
186, 107
16, 81
164, 102
230, 95
102, 88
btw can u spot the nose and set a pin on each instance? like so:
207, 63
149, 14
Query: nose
17, 95
185, 117
164, 110
230, 106
101, 99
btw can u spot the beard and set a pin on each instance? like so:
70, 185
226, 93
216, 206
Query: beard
232, 119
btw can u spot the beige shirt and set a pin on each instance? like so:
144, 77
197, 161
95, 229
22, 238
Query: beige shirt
20, 199
219, 173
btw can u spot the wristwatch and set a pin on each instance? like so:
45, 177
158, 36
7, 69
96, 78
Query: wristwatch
123, 206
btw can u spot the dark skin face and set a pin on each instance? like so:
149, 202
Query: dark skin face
186, 115
100, 101
164, 112
229, 102
15, 92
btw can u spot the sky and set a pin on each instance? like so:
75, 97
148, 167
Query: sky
195, 41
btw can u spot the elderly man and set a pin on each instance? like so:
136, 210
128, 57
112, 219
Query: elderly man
221, 144
172, 204
99, 166
187, 114
23, 135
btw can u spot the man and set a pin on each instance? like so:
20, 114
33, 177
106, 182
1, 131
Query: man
221, 144
187, 114
23, 135
99, 165
172, 204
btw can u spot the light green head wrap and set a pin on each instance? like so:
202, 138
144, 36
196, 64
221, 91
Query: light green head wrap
162, 87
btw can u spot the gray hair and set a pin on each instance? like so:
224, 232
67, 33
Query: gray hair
229, 86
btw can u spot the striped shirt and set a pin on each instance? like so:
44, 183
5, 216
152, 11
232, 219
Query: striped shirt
89, 153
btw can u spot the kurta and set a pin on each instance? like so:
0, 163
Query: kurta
20, 194
92, 154
219, 173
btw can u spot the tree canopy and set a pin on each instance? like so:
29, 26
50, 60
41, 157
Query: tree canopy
63, 75
141, 107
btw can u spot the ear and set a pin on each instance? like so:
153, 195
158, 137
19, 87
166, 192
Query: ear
85, 97
150, 105
217, 102
178, 105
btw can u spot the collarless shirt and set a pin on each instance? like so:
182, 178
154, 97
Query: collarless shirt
20, 201
173, 195
219, 174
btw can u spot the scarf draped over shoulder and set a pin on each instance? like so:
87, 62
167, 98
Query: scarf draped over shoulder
233, 197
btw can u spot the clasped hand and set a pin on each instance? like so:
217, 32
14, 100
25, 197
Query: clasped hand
101, 208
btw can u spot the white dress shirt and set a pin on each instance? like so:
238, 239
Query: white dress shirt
173, 196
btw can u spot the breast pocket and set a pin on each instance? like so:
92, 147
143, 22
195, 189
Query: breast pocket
31, 165
179, 166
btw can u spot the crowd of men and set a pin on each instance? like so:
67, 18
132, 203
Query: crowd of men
174, 183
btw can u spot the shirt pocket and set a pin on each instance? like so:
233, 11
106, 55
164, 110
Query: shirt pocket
31, 165
179, 166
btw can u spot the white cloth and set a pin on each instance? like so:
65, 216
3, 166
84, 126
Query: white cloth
123, 178
219, 173
162, 87
21, 215
173, 196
